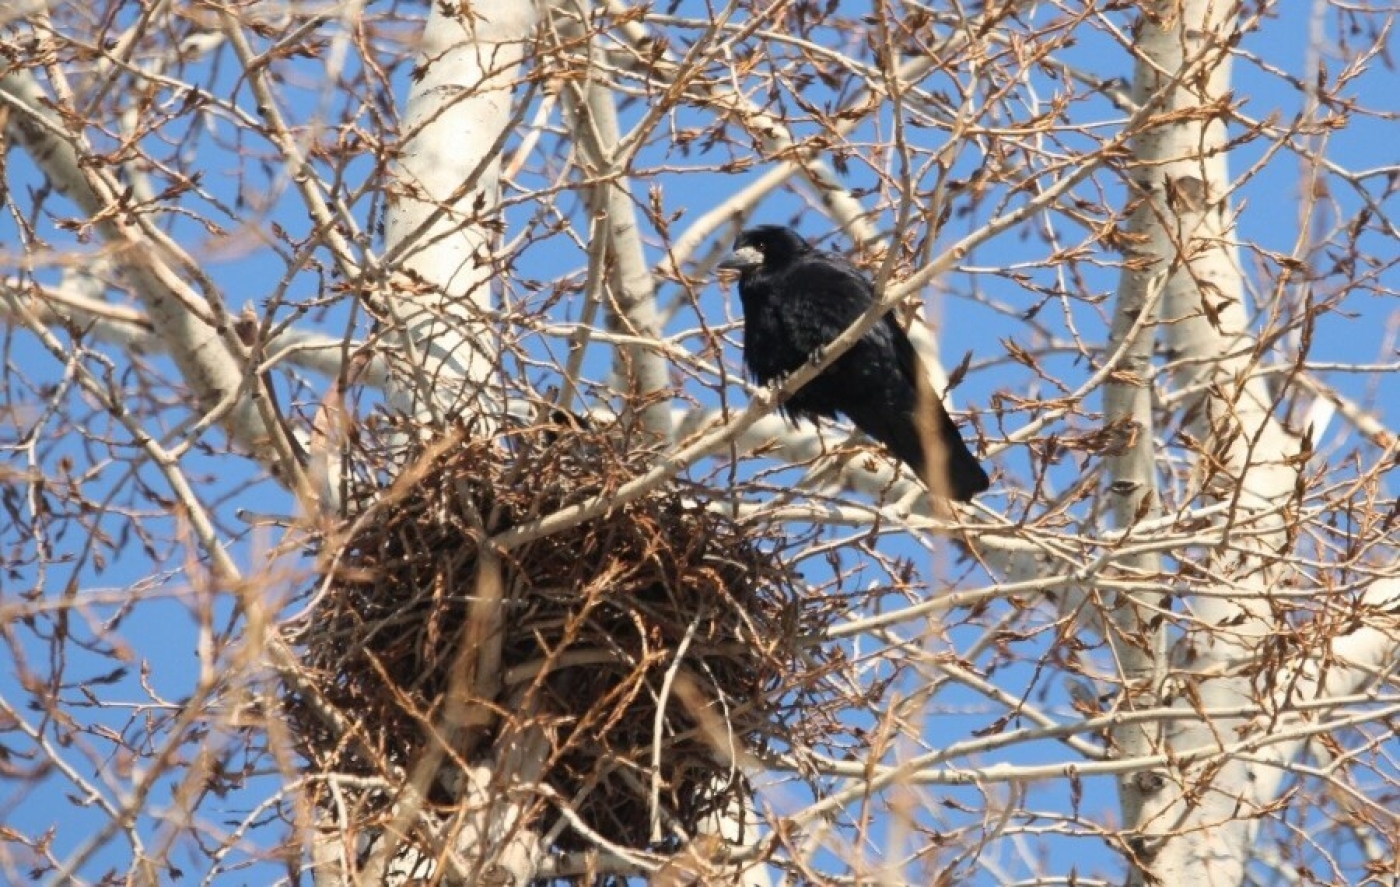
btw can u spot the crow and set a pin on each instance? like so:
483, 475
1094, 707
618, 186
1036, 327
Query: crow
796, 300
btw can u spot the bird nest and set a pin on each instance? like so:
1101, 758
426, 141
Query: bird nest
663, 631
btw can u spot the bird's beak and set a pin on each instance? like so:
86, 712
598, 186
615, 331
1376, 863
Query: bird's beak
743, 258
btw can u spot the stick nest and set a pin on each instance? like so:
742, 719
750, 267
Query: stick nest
595, 616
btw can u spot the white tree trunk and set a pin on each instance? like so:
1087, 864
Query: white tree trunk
441, 227
441, 224
1195, 821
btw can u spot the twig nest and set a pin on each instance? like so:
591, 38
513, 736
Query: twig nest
664, 624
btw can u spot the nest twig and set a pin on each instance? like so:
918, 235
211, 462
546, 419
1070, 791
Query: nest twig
597, 618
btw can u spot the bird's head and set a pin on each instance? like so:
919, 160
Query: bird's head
766, 245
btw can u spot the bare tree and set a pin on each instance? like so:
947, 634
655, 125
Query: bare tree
384, 499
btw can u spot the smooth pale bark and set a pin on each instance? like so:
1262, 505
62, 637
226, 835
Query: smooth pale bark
441, 224
1196, 823
440, 232
1162, 242
1138, 649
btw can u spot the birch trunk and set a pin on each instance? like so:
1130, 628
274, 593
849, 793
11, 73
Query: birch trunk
440, 233
441, 224
1195, 821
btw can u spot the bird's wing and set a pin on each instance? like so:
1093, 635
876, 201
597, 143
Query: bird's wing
821, 295
905, 355
841, 293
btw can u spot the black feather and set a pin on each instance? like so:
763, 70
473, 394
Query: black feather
796, 301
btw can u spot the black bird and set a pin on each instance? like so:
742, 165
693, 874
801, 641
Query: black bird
797, 299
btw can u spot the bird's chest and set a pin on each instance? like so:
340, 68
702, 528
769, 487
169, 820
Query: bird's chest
776, 342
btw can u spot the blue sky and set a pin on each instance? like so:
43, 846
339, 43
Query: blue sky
158, 626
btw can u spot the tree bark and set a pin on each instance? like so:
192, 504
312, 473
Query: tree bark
442, 222
1194, 822
441, 228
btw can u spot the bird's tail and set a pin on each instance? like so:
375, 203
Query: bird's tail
946, 465
927, 441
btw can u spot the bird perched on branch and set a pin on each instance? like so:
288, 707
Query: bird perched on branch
797, 299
